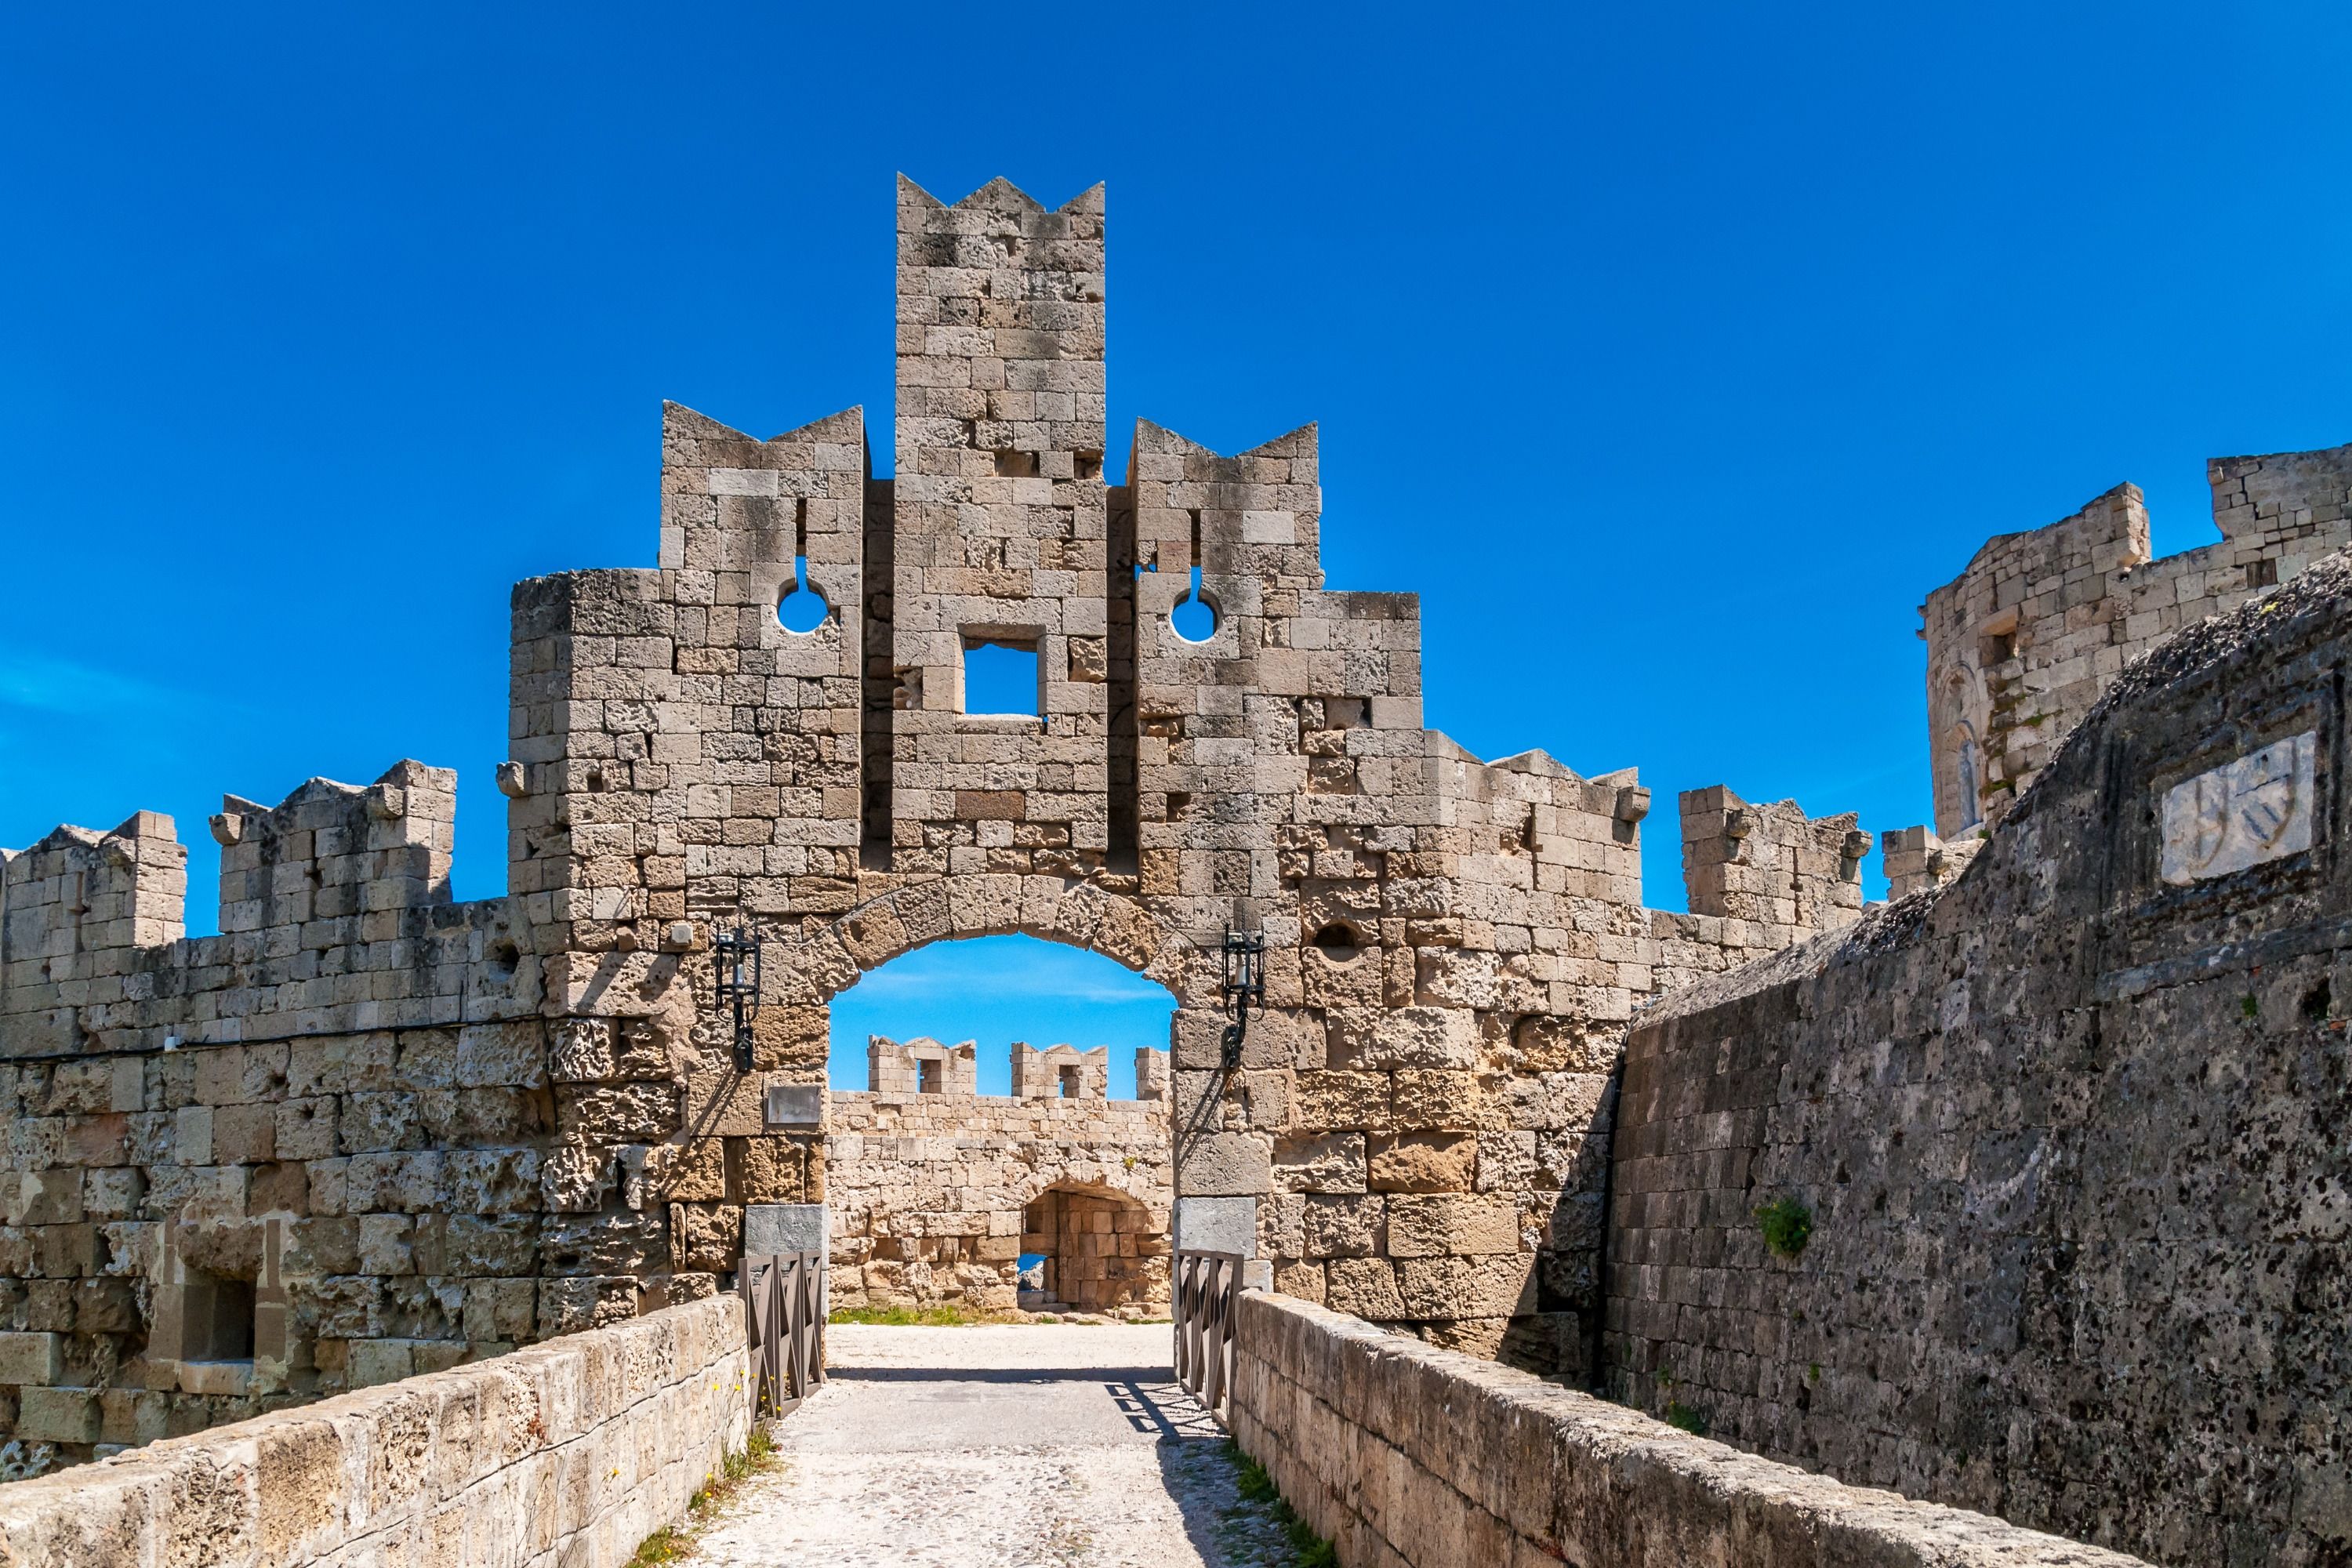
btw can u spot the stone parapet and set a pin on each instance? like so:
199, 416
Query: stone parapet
1407, 1456
571, 1451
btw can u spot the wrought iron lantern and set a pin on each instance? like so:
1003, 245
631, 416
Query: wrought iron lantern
1244, 989
732, 951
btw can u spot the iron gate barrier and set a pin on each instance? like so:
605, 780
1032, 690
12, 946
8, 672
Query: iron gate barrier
784, 1305
1208, 1285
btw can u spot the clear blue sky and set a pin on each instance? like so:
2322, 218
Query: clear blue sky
1671, 354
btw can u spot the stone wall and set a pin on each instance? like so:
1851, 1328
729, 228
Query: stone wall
933, 1197
2022, 643
1407, 1456
2068, 1133
435, 1131
571, 1452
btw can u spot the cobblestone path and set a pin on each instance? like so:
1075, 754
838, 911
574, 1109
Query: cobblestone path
1045, 1446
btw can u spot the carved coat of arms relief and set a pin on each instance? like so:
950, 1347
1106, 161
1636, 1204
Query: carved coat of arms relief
2257, 808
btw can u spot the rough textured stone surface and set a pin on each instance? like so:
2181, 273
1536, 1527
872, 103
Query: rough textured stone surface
571, 1452
1408, 1456
1453, 946
2022, 643
936, 1196
2071, 1135
367, 1132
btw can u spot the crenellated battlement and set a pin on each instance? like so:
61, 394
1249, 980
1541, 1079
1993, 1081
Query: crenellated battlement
333, 865
2022, 643
1060, 1072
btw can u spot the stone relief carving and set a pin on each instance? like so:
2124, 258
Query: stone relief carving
2241, 813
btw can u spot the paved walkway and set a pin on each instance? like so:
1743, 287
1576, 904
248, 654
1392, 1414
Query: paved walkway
1029, 1445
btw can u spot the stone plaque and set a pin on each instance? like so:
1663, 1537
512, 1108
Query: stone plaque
2244, 813
1216, 1224
770, 1228
794, 1105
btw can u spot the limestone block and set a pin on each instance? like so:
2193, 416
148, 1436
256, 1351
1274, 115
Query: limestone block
774, 1171
1223, 1165
58, 1415
771, 1228
618, 1113
1424, 1225
1340, 1226
1426, 1099
1423, 1162
1216, 1224
576, 1179
1366, 1286
30, 1358
1320, 1162
1344, 1100
698, 1173
512, 1054
1418, 1036
49, 1198
1492, 1287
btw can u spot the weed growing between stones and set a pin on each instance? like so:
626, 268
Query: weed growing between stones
1312, 1551
1684, 1418
674, 1543
1787, 1225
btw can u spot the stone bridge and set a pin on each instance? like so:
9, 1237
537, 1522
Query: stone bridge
379, 1225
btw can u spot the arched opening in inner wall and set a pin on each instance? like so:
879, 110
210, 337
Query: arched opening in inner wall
998, 1134
1086, 1249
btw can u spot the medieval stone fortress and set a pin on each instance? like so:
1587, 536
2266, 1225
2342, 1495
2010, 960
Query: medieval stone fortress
2024, 1196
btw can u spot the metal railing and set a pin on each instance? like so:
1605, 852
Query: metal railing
1207, 1287
783, 1303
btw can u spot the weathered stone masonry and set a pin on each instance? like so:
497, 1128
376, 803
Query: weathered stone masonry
2071, 1132
411, 1131
935, 1191
2024, 641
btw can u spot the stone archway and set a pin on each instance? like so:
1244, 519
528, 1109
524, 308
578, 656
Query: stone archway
883, 1254
1103, 1248
825, 959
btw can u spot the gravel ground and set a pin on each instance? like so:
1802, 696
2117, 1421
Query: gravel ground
1031, 1446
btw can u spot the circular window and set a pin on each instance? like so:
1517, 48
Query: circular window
801, 609
1196, 616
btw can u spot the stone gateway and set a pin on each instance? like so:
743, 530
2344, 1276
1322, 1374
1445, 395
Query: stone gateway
2025, 1194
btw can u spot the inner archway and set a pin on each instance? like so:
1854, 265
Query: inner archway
1092, 1249
998, 1109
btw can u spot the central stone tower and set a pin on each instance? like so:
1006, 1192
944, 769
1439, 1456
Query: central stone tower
999, 538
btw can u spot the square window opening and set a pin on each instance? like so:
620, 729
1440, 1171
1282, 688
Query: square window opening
217, 1315
927, 1077
1000, 677
1069, 1083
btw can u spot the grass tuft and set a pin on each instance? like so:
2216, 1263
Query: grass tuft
1308, 1550
908, 1316
672, 1544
